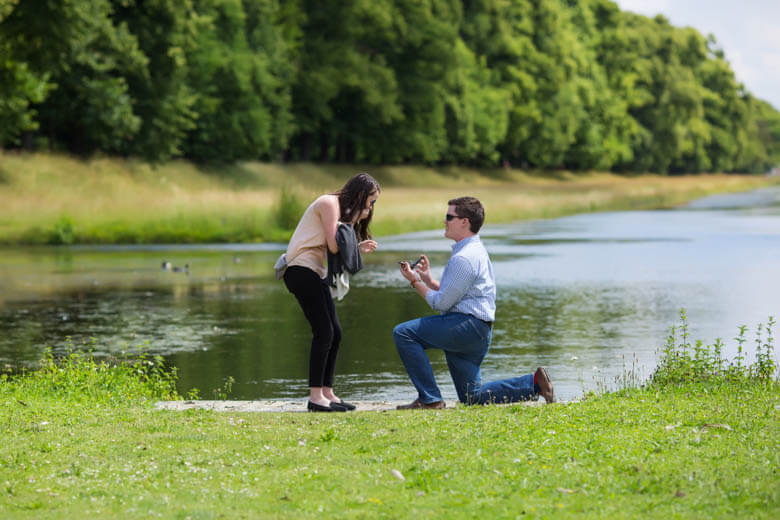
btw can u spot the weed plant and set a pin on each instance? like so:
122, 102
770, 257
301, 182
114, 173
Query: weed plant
288, 209
684, 363
79, 378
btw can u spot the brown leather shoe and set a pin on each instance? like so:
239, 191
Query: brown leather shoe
545, 385
417, 405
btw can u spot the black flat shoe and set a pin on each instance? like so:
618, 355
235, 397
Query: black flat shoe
348, 406
339, 407
334, 407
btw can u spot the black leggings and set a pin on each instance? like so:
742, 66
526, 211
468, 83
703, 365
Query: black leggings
314, 297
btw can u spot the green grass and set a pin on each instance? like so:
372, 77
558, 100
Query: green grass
81, 439
627, 455
55, 199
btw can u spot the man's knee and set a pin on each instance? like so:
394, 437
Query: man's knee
402, 336
399, 332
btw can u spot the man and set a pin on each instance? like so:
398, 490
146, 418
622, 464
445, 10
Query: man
466, 299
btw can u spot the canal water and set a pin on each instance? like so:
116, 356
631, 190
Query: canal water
591, 297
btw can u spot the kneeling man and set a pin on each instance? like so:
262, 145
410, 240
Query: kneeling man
466, 299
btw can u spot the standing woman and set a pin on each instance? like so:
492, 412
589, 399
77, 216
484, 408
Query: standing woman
307, 251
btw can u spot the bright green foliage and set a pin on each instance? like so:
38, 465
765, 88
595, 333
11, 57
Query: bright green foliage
558, 65
238, 70
607, 135
476, 117
165, 31
79, 57
684, 363
501, 34
545, 84
423, 56
19, 90
288, 209
343, 83
372, 80
759, 146
80, 378
19, 87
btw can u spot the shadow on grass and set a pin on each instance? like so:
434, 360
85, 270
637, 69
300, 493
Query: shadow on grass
257, 174
331, 176
236, 174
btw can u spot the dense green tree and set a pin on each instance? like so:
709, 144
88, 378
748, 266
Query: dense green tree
760, 149
476, 112
20, 88
240, 72
501, 33
560, 110
606, 137
575, 84
651, 65
423, 55
84, 56
343, 83
374, 79
346, 92
166, 31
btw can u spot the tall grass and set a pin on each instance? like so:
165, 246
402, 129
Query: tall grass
53, 199
288, 209
80, 378
683, 362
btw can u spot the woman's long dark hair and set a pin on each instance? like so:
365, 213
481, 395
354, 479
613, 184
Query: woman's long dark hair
352, 200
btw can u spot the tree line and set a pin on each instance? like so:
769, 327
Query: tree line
576, 84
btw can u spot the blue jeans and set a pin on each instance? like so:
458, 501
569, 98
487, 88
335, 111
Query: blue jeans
465, 341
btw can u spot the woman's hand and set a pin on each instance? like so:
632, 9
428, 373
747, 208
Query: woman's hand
367, 246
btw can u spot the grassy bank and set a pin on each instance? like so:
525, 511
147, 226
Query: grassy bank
700, 440
60, 200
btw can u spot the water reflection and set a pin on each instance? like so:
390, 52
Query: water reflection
588, 296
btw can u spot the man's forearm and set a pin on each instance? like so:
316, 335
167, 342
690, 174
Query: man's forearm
432, 283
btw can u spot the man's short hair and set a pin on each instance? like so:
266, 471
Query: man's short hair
471, 208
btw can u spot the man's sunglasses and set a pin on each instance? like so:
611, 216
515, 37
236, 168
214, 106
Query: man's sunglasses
450, 217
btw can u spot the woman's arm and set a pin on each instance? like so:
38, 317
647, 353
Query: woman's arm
328, 208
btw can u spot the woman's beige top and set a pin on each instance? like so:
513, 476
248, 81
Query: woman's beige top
308, 246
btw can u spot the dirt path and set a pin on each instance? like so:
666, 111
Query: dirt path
284, 406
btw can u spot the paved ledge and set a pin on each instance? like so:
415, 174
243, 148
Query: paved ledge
287, 406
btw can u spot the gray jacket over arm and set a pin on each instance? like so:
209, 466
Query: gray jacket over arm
348, 258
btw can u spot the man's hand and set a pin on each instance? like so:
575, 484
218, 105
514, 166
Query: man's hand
424, 270
407, 272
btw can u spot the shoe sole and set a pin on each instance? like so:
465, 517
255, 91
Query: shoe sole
421, 407
311, 407
549, 381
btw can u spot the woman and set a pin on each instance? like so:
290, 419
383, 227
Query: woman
314, 236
